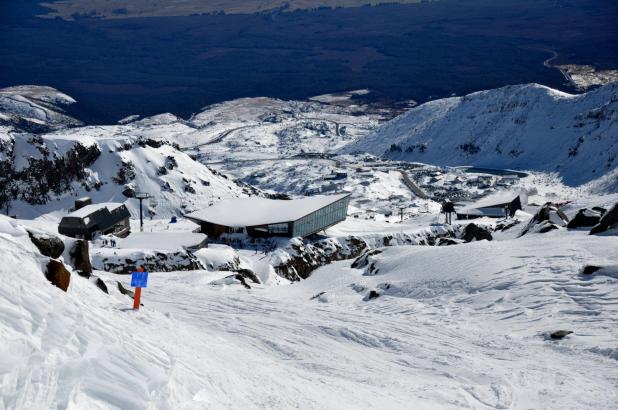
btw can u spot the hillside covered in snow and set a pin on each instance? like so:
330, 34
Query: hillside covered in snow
390, 308
528, 127
49, 158
463, 326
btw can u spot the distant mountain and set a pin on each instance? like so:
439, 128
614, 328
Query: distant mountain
524, 127
35, 108
123, 9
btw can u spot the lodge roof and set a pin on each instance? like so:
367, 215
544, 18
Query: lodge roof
255, 211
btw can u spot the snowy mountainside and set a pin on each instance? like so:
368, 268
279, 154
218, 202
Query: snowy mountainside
48, 172
528, 127
464, 326
35, 108
250, 128
134, 155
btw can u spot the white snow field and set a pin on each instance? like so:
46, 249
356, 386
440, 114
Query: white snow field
525, 126
464, 326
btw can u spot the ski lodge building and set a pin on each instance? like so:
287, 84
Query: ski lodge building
500, 205
103, 218
262, 217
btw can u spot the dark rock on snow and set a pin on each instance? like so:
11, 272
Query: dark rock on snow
589, 269
242, 280
373, 294
126, 291
101, 285
474, 232
248, 274
363, 260
80, 256
58, 275
506, 224
447, 242
316, 296
49, 245
546, 226
608, 221
560, 334
548, 218
128, 191
585, 218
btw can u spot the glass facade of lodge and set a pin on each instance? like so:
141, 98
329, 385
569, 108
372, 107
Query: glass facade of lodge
322, 218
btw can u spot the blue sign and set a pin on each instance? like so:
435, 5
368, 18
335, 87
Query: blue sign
139, 279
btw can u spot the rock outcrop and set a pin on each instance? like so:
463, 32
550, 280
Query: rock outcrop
586, 218
247, 274
49, 245
152, 261
300, 259
79, 255
474, 232
548, 218
363, 260
58, 275
607, 221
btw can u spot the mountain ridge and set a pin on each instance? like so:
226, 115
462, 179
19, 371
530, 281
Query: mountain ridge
528, 126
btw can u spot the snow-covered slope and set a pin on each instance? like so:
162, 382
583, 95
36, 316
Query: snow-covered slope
54, 170
525, 127
46, 171
35, 108
463, 326
251, 128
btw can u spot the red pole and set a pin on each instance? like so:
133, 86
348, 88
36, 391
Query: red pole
138, 293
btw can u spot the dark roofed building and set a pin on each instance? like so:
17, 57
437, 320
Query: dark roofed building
499, 205
102, 218
262, 217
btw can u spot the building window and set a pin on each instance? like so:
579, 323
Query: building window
278, 228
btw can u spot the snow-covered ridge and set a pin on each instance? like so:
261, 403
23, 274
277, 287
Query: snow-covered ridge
524, 127
52, 170
36, 108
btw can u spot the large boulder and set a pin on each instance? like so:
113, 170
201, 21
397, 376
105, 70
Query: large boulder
57, 274
548, 218
49, 245
586, 218
474, 232
80, 256
607, 221
363, 260
247, 274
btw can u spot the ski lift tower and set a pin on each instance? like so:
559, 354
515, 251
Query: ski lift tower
401, 209
141, 196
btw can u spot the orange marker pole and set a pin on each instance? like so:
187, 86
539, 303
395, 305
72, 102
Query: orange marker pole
138, 294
